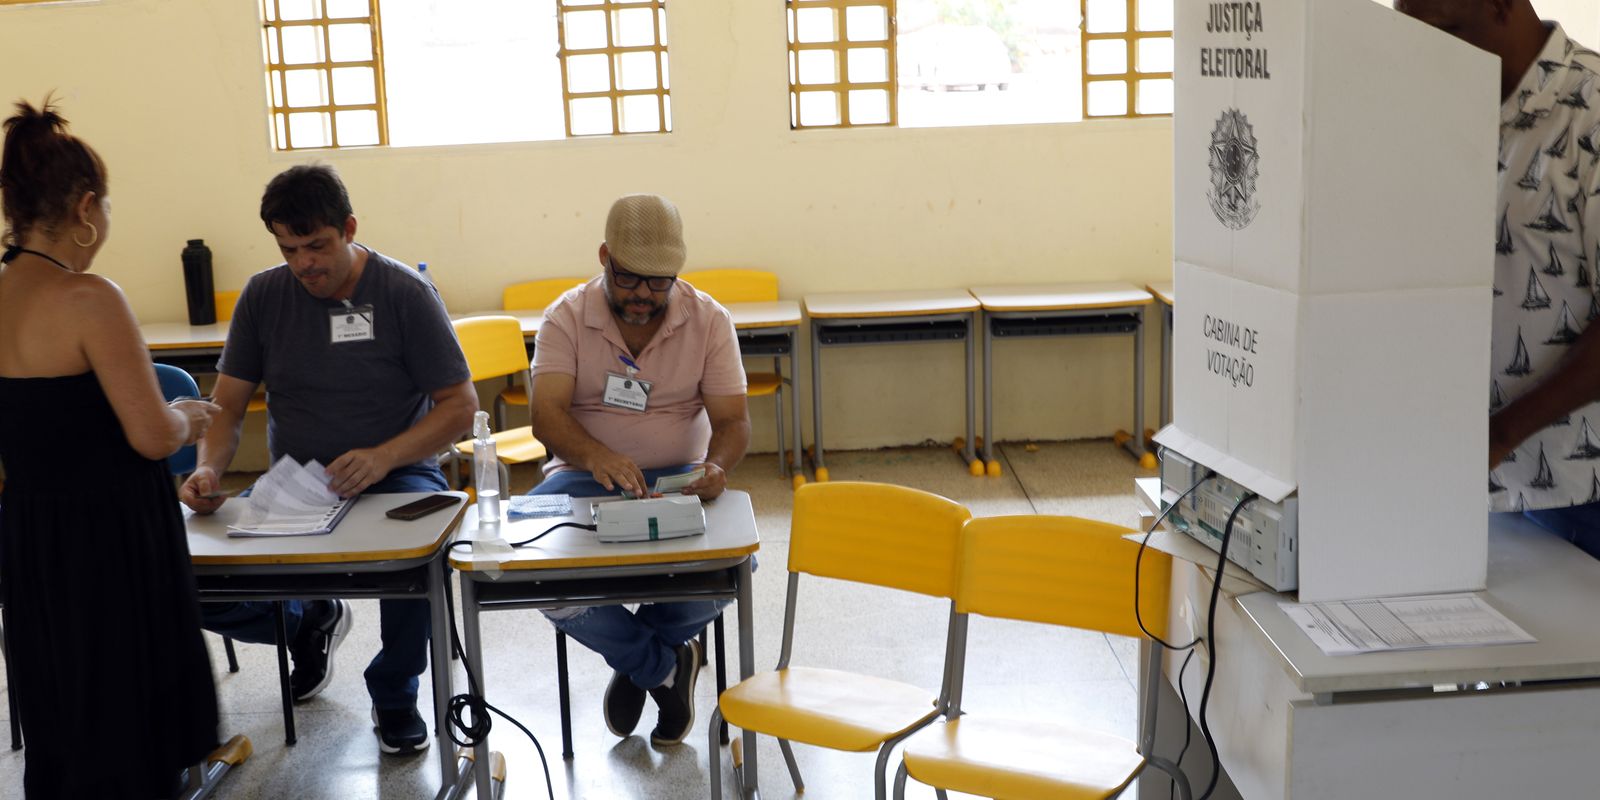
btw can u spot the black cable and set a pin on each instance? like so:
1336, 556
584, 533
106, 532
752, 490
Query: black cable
1138, 561
525, 542
1188, 730
1211, 643
471, 733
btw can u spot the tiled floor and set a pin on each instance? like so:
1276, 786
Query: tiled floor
1082, 676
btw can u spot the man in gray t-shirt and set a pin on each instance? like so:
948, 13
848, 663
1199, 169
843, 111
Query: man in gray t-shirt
364, 375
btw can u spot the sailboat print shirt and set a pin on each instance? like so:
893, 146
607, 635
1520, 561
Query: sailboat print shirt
1547, 250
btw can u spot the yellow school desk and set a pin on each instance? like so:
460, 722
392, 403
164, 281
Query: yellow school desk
1163, 294
571, 568
1464, 723
769, 329
895, 317
368, 556
1064, 309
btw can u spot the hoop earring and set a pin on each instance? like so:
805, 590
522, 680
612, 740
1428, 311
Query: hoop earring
94, 236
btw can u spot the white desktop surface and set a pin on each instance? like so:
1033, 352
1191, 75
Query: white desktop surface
1538, 580
903, 303
181, 335
364, 535
776, 314
730, 533
1060, 296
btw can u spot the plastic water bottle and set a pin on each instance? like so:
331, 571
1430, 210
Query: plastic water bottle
422, 269
485, 471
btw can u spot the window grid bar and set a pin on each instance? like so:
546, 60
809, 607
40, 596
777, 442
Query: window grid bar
561, 56
379, 73
656, 23
611, 68
327, 54
632, 48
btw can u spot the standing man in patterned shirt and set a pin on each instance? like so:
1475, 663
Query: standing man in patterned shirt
1544, 452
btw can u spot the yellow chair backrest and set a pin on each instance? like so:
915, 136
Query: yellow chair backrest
536, 295
877, 533
493, 345
1061, 571
225, 302
735, 285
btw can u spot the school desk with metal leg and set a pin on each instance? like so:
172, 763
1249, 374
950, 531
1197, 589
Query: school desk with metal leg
1064, 309
868, 318
570, 567
770, 329
1163, 294
368, 556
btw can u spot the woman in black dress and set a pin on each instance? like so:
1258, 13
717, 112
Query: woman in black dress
109, 669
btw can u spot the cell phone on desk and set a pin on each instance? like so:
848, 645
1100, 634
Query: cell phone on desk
417, 509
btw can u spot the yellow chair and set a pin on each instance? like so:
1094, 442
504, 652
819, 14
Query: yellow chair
494, 349
528, 296
225, 303
1057, 571
872, 533
750, 286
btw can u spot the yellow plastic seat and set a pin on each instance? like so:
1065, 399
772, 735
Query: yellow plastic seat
1056, 571
750, 286
993, 757
828, 708
225, 303
495, 349
888, 536
763, 384
528, 296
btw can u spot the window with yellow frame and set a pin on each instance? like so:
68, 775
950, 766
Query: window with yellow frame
841, 63
324, 73
614, 66
342, 74
1127, 58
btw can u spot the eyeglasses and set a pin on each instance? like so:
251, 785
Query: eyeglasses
628, 280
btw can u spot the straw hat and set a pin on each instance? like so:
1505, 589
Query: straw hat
645, 235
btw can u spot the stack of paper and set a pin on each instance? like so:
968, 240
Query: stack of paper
292, 500
1404, 623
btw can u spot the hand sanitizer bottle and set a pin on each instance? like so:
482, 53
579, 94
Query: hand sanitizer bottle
485, 471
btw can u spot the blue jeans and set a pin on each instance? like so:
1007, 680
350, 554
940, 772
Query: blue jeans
638, 644
404, 625
1577, 524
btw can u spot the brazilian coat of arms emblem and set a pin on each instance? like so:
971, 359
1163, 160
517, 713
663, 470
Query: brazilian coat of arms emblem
1235, 165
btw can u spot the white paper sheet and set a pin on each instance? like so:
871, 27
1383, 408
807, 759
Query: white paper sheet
291, 500
1404, 623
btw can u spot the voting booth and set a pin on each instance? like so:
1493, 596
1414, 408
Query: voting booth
1333, 245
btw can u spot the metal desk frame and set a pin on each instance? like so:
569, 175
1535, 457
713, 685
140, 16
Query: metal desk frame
969, 319
422, 578
1135, 443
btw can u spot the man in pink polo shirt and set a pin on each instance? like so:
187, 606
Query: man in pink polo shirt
637, 375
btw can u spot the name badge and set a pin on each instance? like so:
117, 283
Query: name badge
352, 324
627, 392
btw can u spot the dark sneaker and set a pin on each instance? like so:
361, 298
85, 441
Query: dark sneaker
676, 703
401, 730
321, 629
624, 704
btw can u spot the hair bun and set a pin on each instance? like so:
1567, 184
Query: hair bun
30, 121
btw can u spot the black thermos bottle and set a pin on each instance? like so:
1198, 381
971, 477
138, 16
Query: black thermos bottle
197, 283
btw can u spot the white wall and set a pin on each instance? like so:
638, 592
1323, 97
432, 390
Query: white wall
1580, 18
172, 94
